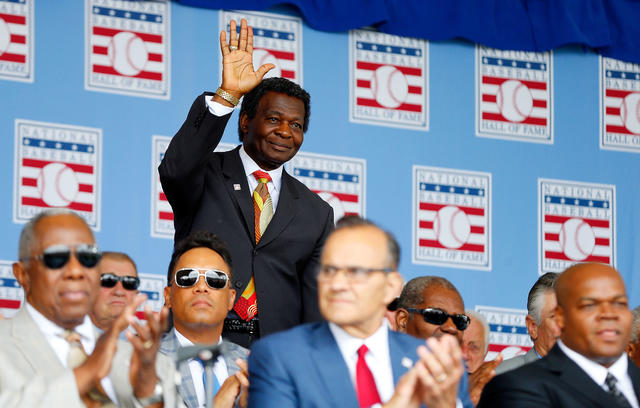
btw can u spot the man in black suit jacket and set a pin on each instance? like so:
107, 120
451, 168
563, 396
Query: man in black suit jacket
213, 191
588, 366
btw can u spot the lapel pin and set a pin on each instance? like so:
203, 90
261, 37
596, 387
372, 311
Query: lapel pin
406, 362
236, 187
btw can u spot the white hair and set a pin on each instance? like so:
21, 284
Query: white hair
485, 326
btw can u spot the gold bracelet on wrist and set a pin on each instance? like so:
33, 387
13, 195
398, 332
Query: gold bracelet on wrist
227, 97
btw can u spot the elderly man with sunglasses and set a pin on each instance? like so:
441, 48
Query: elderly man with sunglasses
50, 354
353, 359
119, 284
199, 294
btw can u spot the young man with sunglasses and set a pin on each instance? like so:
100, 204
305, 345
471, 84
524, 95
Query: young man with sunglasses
199, 294
50, 353
353, 359
119, 284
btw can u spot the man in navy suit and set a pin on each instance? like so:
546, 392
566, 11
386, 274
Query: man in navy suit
353, 359
587, 367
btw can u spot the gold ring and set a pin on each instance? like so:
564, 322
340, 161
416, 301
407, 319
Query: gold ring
441, 377
147, 344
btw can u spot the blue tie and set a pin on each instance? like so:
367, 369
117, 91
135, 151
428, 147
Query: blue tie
216, 384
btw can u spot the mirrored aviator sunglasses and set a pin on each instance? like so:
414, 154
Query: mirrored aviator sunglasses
109, 280
57, 256
188, 277
439, 317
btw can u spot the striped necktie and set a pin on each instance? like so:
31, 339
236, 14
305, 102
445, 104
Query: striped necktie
247, 306
77, 355
615, 392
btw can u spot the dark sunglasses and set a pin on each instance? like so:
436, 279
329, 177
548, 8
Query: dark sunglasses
109, 280
57, 256
439, 317
188, 277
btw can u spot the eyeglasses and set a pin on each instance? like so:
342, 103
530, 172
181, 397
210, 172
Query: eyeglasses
109, 280
353, 273
57, 256
439, 317
188, 277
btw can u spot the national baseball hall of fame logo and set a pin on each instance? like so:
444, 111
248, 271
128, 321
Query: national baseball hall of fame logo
16, 40
128, 47
514, 95
277, 40
11, 293
161, 212
388, 80
576, 224
507, 331
451, 218
153, 286
340, 181
619, 105
57, 166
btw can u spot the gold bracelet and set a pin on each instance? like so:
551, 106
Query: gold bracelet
227, 97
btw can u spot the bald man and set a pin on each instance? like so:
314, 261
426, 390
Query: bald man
588, 366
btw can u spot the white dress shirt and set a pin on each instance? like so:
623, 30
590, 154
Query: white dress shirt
377, 358
598, 373
54, 336
249, 165
196, 369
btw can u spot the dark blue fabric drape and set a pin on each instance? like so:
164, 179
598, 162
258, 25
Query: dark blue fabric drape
610, 27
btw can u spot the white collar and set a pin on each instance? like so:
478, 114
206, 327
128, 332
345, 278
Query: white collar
185, 342
250, 166
377, 343
596, 371
86, 329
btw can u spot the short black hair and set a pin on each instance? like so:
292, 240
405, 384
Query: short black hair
251, 100
199, 239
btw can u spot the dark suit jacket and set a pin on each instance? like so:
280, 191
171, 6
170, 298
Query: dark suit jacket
303, 367
552, 381
209, 191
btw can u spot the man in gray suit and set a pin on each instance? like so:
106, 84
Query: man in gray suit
541, 322
52, 333
199, 308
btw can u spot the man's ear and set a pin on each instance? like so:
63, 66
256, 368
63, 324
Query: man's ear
22, 276
244, 122
532, 327
394, 286
631, 349
402, 318
167, 296
560, 318
232, 298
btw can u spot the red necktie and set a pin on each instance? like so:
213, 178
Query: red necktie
365, 384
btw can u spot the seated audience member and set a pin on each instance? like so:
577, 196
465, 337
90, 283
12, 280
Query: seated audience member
199, 307
541, 322
118, 287
587, 367
44, 347
475, 344
633, 348
352, 359
431, 306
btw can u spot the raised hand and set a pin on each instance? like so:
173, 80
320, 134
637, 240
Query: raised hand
443, 361
479, 378
238, 75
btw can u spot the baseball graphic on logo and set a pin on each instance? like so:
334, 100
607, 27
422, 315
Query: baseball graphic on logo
630, 112
452, 227
514, 100
389, 86
261, 57
5, 36
577, 239
57, 184
334, 202
128, 53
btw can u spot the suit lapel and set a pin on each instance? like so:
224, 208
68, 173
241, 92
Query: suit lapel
575, 377
634, 374
31, 338
332, 368
285, 212
398, 357
234, 176
186, 389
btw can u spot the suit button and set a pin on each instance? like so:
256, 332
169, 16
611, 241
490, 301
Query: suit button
238, 284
